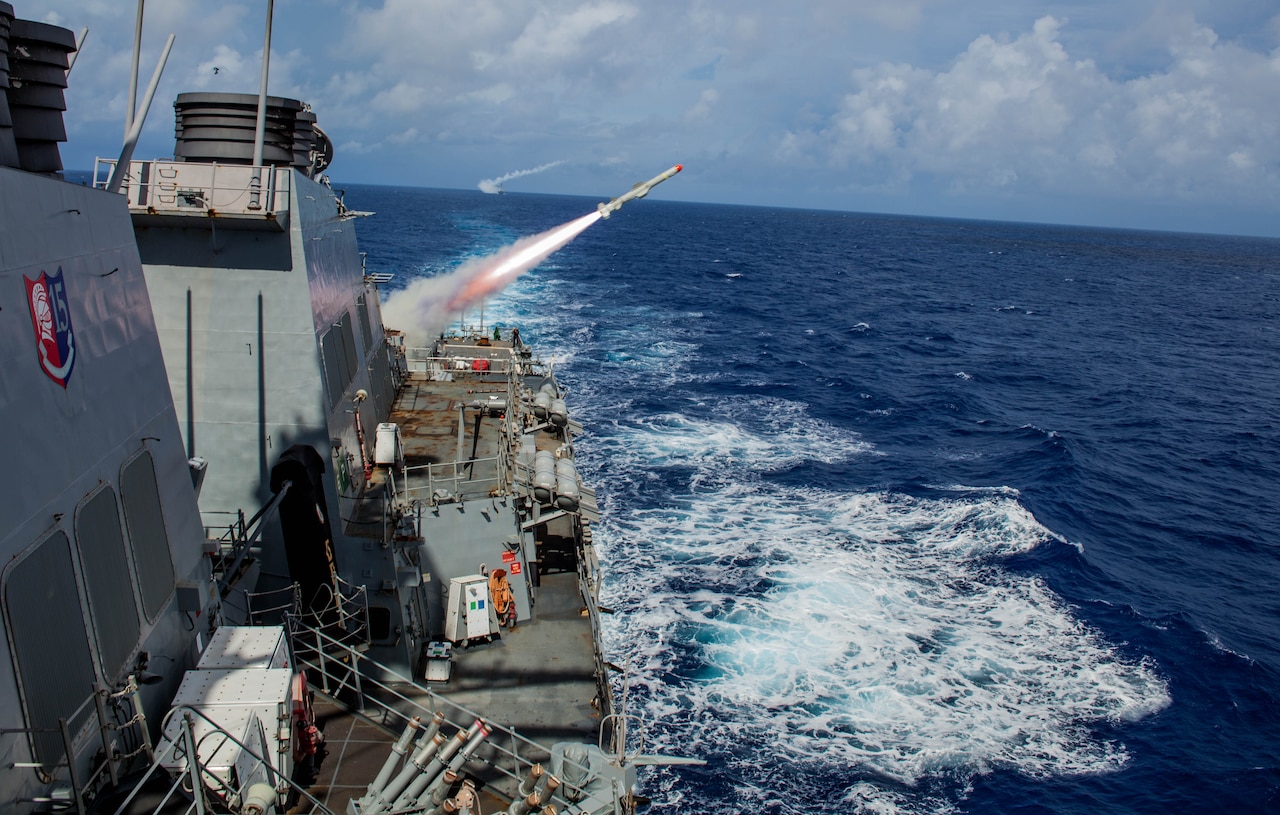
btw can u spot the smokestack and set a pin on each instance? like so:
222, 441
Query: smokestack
37, 57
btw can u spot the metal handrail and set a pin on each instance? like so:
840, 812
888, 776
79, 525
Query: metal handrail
195, 778
454, 363
263, 607
447, 356
462, 485
103, 767
340, 668
241, 535
197, 183
68, 763
349, 601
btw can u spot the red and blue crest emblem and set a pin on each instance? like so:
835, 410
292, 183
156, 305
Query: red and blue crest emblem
51, 319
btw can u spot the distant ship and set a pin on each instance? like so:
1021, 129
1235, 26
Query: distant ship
242, 515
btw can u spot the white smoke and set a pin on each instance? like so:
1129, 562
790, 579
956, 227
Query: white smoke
427, 305
494, 185
421, 309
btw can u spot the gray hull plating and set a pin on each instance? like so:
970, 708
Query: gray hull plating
70, 513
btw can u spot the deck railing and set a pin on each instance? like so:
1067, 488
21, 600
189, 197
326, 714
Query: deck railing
454, 480
201, 790
473, 359
122, 729
468, 479
201, 188
390, 701
230, 549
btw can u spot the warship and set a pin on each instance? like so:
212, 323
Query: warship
260, 552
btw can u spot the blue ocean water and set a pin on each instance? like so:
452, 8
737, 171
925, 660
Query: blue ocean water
914, 515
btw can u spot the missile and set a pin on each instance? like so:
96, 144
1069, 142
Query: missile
638, 191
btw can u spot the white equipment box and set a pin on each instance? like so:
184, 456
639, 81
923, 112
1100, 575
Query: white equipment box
235, 701
249, 646
470, 613
386, 445
439, 661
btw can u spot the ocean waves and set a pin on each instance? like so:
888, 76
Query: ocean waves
790, 632
862, 636
946, 517
795, 628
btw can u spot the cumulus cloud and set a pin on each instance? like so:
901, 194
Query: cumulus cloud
706, 101
883, 103
410, 136
552, 36
226, 66
1021, 111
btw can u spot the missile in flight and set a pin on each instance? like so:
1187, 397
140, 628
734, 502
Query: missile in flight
638, 191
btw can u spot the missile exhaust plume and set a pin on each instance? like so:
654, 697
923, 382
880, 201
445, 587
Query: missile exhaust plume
426, 306
494, 185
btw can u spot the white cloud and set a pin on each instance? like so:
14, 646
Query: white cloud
410, 136
872, 104
493, 94
559, 37
1021, 113
702, 108
227, 65
359, 148
402, 98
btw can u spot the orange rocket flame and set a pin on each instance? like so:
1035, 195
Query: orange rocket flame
427, 305
499, 270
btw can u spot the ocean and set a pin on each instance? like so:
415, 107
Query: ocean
910, 515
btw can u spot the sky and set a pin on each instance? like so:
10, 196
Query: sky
1149, 114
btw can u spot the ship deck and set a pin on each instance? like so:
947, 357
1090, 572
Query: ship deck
538, 678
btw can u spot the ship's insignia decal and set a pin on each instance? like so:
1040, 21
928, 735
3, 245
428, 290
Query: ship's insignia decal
51, 319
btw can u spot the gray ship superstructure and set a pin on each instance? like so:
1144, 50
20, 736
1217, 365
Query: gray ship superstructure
236, 490
104, 583
271, 330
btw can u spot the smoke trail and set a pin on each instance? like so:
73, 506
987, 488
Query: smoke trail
426, 306
494, 185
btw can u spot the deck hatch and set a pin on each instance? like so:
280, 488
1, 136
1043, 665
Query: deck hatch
100, 543
330, 353
42, 609
338, 350
349, 356
366, 333
380, 383
145, 521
